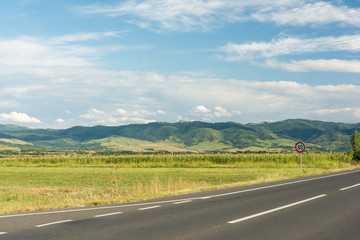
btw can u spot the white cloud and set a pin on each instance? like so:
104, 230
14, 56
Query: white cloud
7, 104
272, 100
312, 13
61, 51
221, 112
81, 37
32, 52
184, 15
60, 120
332, 111
319, 65
120, 116
21, 92
18, 117
93, 114
204, 15
138, 113
201, 109
100, 117
290, 45
121, 111
160, 112
255, 51
140, 97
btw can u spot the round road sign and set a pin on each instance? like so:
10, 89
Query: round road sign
300, 147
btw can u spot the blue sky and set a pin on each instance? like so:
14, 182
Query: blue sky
65, 63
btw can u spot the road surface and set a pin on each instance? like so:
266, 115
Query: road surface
319, 207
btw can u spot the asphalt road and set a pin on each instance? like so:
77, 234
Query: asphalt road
319, 207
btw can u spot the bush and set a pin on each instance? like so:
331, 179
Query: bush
355, 142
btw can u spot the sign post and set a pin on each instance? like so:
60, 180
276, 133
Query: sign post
300, 147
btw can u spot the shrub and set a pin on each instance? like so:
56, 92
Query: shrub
355, 142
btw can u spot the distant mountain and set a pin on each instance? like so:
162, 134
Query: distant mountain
11, 127
185, 136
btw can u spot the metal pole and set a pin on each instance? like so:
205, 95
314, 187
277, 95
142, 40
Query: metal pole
301, 164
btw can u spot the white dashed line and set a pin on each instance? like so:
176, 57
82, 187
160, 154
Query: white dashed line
108, 214
275, 209
3, 233
52, 223
207, 197
146, 208
185, 201
346, 188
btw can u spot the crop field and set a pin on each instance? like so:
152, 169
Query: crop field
29, 183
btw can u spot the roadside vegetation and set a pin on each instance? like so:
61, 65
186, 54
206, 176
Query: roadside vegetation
58, 180
355, 143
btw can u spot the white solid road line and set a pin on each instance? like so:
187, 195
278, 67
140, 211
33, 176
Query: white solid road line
275, 209
3, 233
146, 208
52, 223
108, 214
346, 188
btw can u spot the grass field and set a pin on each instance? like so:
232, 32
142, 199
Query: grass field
30, 183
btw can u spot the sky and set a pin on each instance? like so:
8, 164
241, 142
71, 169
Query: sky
67, 63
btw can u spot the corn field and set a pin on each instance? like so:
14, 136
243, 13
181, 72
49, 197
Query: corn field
177, 161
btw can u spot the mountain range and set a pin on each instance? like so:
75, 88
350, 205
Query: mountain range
182, 136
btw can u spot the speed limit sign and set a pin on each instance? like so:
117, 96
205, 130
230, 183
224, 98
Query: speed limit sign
300, 147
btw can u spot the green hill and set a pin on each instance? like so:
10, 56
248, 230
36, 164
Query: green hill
185, 136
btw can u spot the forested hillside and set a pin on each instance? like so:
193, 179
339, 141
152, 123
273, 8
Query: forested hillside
184, 137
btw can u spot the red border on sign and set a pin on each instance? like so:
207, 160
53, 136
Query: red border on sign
297, 149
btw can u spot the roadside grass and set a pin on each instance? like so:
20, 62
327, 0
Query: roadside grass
29, 183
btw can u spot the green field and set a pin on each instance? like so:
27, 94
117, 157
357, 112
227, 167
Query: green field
30, 183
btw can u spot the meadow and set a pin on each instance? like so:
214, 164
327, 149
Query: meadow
29, 183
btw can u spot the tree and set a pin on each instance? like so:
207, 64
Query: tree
355, 142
